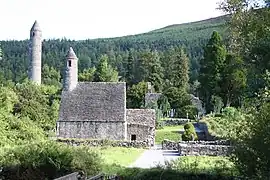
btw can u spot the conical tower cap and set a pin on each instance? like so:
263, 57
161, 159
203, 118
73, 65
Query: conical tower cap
71, 54
36, 26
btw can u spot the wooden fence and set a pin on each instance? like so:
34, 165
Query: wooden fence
76, 176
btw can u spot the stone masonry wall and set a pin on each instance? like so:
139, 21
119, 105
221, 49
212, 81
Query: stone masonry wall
93, 130
199, 148
104, 142
141, 123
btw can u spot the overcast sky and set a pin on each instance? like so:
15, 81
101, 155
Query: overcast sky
88, 19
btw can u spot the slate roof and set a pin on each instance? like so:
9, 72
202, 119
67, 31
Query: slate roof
94, 101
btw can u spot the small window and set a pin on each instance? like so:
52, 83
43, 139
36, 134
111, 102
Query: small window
133, 137
69, 63
33, 34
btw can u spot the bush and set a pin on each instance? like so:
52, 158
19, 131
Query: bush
47, 160
190, 133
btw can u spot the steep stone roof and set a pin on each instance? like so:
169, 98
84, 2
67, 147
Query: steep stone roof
94, 101
35, 26
146, 117
71, 54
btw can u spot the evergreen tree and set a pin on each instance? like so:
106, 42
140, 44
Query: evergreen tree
104, 72
211, 67
152, 70
129, 69
180, 70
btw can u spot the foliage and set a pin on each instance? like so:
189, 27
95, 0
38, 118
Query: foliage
47, 160
180, 69
151, 69
164, 105
234, 79
105, 72
190, 133
136, 95
211, 68
217, 103
50, 76
251, 153
178, 99
87, 75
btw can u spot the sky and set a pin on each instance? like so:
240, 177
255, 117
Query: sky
90, 19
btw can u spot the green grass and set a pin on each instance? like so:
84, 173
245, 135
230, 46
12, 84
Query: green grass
168, 132
118, 155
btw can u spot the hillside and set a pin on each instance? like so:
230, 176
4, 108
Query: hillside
192, 36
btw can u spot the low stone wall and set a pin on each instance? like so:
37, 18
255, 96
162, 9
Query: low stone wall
169, 145
200, 148
174, 122
98, 143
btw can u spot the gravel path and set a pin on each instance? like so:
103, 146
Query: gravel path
155, 156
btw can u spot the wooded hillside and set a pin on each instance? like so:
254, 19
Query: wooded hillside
191, 36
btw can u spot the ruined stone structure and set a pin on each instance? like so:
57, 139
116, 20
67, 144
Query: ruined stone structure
35, 53
97, 110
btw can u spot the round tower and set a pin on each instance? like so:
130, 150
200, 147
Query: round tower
35, 53
71, 76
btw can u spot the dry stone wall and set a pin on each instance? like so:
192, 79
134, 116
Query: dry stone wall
199, 148
104, 142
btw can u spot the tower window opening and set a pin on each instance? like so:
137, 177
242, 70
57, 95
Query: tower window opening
69, 63
33, 34
133, 137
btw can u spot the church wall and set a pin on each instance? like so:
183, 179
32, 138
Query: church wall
141, 125
91, 130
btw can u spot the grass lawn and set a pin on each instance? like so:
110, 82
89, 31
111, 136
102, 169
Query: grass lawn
168, 132
118, 155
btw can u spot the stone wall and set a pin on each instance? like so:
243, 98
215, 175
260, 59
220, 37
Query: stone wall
199, 148
169, 145
141, 125
104, 142
92, 130
209, 148
174, 122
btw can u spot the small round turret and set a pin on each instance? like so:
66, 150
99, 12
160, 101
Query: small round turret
71, 76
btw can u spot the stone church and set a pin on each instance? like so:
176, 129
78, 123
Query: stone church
93, 110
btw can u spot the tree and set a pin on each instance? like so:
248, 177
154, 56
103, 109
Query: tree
180, 69
234, 79
104, 71
50, 76
152, 70
87, 74
130, 69
211, 68
136, 95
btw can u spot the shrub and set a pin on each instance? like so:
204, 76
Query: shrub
190, 133
47, 160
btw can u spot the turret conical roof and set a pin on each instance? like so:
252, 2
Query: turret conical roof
35, 26
71, 54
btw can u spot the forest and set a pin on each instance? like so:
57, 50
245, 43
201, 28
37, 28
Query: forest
224, 61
